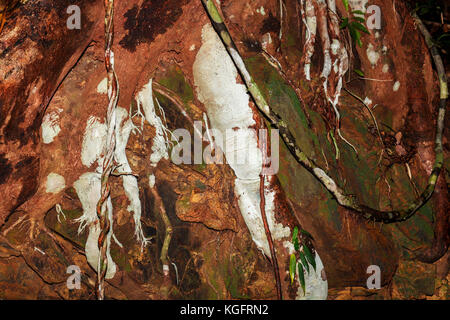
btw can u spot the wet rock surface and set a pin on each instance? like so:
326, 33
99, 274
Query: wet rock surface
212, 254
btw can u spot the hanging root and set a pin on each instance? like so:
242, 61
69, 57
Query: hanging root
168, 237
335, 59
59, 212
263, 147
166, 131
282, 9
123, 169
343, 199
310, 22
336, 147
375, 122
172, 96
161, 141
161, 144
335, 63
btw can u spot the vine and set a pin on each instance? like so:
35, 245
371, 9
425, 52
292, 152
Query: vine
109, 148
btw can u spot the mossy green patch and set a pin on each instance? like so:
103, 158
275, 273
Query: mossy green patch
328, 208
234, 278
282, 99
66, 226
174, 80
120, 259
360, 176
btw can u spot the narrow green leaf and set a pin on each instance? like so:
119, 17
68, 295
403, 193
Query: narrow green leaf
295, 238
359, 42
306, 233
296, 244
362, 20
295, 233
358, 12
301, 277
352, 32
359, 72
355, 34
309, 257
292, 263
357, 37
345, 2
304, 262
359, 26
344, 23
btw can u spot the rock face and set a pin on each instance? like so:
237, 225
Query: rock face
174, 74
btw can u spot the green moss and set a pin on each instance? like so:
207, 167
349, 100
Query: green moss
283, 100
360, 175
120, 259
234, 278
328, 208
67, 228
174, 80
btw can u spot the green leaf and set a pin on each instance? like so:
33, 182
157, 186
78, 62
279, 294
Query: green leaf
359, 26
358, 41
356, 36
306, 233
352, 32
345, 2
359, 72
358, 12
344, 23
295, 238
292, 263
304, 262
362, 20
309, 257
301, 277
295, 234
296, 244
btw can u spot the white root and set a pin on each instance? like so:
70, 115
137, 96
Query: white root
161, 143
337, 59
129, 182
311, 26
88, 186
88, 190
